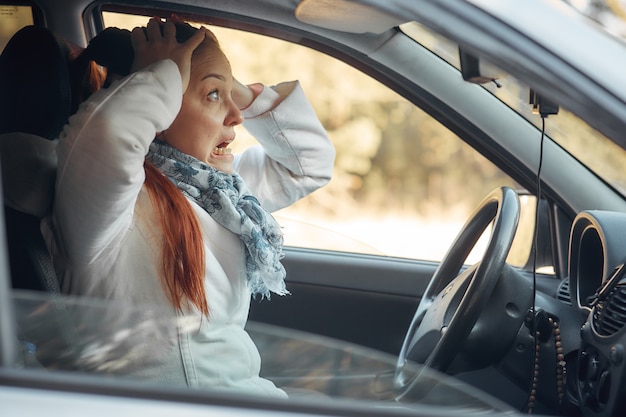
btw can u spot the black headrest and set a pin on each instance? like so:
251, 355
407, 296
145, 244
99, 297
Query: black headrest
35, 94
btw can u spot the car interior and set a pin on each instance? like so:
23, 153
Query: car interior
535, 347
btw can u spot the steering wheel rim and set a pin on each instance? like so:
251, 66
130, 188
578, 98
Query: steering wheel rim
470, 290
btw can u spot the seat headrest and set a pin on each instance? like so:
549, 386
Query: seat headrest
35, 84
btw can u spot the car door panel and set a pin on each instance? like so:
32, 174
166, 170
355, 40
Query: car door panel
368, 300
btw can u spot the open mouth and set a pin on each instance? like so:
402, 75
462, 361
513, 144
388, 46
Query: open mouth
222, 149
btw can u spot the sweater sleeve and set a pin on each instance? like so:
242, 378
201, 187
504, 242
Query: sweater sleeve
295, 156
101, 154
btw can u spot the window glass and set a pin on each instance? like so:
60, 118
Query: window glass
604, 157
12, 19
403, 184
86, 336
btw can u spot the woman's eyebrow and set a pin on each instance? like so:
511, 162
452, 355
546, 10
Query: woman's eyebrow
214, 75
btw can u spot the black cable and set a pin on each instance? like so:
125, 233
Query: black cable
537, 203
533, 311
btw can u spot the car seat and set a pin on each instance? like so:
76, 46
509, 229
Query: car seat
34, 105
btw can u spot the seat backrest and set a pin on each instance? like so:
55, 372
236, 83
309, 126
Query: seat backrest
34, 105
28, 172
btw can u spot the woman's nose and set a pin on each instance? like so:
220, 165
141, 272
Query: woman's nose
234, 116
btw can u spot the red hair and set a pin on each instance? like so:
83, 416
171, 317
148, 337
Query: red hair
183, 250
86, 76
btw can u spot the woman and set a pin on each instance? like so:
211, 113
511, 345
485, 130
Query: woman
171, 221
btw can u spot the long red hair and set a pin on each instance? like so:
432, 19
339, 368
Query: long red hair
182, 246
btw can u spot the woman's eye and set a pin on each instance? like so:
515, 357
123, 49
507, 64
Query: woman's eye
214, 95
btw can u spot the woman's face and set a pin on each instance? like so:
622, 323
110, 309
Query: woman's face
204, 127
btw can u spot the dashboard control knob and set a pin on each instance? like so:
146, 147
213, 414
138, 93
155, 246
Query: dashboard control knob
616, 354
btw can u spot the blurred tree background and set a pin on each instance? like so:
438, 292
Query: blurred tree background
391, 156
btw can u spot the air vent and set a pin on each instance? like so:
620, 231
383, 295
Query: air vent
609, 315
562, 292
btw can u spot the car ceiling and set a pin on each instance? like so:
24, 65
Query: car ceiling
345, 16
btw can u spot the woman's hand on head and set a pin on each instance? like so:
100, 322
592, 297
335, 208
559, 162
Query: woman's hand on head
151, 44
244, 95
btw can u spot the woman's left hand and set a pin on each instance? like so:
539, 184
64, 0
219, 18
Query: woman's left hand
243, 95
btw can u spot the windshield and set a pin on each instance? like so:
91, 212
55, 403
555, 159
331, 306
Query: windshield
603, 157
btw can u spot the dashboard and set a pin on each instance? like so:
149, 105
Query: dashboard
597, 274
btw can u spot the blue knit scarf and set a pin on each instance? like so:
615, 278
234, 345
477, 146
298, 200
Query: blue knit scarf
229, 202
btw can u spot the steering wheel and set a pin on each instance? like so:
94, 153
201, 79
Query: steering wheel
453, 301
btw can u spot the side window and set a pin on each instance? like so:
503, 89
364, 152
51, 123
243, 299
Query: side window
403, 184
12, 19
